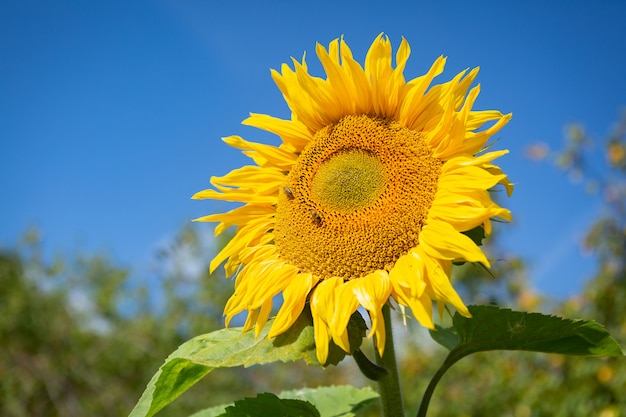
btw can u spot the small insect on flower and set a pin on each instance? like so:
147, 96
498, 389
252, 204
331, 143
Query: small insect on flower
317, 219
288, 192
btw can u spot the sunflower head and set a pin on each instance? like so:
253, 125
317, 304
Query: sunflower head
367, 198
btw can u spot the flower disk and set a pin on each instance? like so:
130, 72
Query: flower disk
365, 201
357, 198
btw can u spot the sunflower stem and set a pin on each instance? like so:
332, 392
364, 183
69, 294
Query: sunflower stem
433, 383
389, 383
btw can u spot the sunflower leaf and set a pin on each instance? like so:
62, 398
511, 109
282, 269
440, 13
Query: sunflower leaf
477, 235
335, 401
332, 401
493, 328
446, 337
216, 411
224, 348
270, 405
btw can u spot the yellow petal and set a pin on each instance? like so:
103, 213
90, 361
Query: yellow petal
263, 155
439, 282
265, 310
439, 240
408, 282
294, 298
346, 304
291, 132
372, 292
322, 309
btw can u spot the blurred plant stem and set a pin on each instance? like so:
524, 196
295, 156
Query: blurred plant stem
389, 383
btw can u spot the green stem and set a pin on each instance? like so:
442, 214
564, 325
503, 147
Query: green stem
431, 386
389, 383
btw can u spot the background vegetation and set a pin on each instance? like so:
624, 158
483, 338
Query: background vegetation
79, 336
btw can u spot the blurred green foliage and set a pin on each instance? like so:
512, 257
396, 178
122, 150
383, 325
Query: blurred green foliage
81, 335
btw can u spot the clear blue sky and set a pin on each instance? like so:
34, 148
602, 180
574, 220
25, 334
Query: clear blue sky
111, 111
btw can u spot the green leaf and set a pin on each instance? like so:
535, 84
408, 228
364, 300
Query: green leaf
211, 412
336, 401
446, 337
493, 328
230, 347
333, 401
172, 379
477, 235
223, 348
266, 404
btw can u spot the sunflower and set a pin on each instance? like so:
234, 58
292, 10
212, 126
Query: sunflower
365, 201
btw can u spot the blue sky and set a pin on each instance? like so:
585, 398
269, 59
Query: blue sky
111, 112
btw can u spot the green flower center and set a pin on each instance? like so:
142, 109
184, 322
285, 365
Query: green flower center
349, 180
